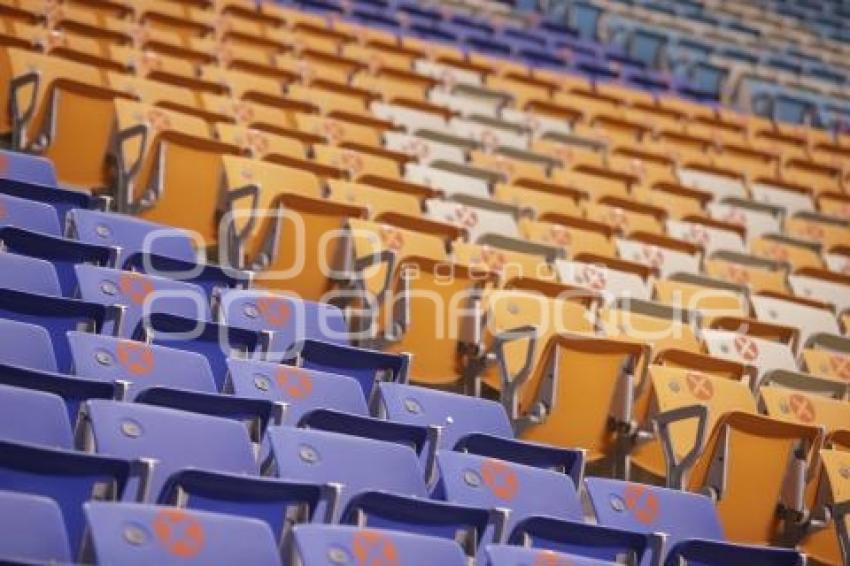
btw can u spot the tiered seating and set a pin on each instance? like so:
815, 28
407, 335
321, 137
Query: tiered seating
402, 270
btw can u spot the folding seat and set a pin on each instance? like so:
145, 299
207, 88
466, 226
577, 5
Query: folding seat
721, 182
752, 162
668, 255
383, 485
376, 200
818, 228
138, 295
826, 355
478, 217
136, 534
596, 181
756, 217
661, 326
379, 55
27, 168
28, 214
508, 554
526, 260
574, 234
312, 544
172, 160
796, 252
689, 520
154, 92
38, 459
130, 235
514, 167
539, 198
821, 178
757, 273
355, 163
807, 315
467, 99
412, 115
762, 353
260, 143
28, 274
454, 178
625, 215
491, 133
822, 285
802, 407
650, 166
611, 277
793, 198
242, 82
473, 425
301, 224
48, 543
710, 297
337, 130
711, 234
219, 476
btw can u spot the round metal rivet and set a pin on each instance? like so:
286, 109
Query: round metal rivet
772, 314
261, 382
450, 419
308, 454
108, 288
512, 308
103, 357
617, 503
337, 555
783, 406
844, 472
674, 386
724, 348
412, 406
103, 230
471, 478
131, 429
134, 535
251, 311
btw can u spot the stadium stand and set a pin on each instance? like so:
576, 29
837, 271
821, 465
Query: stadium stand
415, 283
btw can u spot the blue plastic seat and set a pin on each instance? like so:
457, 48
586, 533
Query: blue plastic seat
211, 278
29, 274
63, 253
509, 555
490, 483
140, 294
27, 168
39, 351
37, 457
132, 235
216, 342
56, 315
709, 552
681, 516
28, 214
61, 201
139, 535
33, 529
205, 462
314, 545
471, 424
382, 483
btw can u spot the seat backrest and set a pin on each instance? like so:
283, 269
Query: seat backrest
759, 352
141, 365
136, 534
35, 417
510, 555
458, 415
17, 166
140, 294
746, 462
38, 353
56, 315
806, 408
32, 529
131, 234
650, 509
29, 214
527, 491
359, 464
315, 543
290, 319
216, 342
303, 390
28, 274
130, 430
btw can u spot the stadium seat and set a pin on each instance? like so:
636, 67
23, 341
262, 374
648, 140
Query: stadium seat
314, 544
23, 273
136, 534
28, 214
20, 511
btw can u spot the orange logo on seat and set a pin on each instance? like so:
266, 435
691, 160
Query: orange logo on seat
560, 236
273, 310
549, 558
746, 348
802, 408
135, 357
135, 287
371, 548
391, 238
179, 532
500, 478
294, 382
840, 366
642, 503
700, 386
